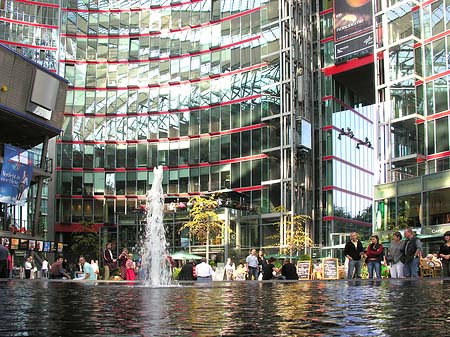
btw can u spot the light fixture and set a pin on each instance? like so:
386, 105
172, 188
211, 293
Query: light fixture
366, 142
348, 133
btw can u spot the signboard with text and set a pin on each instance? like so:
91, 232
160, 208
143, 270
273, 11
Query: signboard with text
304, 270
330, 269
353, 28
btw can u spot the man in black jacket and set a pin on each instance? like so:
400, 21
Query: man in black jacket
413, 253
353, 252
187, 272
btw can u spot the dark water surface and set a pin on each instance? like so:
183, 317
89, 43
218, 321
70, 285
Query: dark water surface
330, 308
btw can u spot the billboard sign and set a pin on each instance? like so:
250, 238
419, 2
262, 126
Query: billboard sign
353, 28
15, 176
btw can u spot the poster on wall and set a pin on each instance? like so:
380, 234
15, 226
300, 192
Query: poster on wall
353, 29
5, 242
14, 243
32, 245
47, 246
39, 246
15, 176
60, 247
23, 244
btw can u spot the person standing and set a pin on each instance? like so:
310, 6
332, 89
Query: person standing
4, 253
444, 254
204, 271
374, 256
10, 266
261, 262
44, 268
413, 252
110, 263
252, 265
28, 268
396, 255
288, 270
123, 258
353, 251
129, 264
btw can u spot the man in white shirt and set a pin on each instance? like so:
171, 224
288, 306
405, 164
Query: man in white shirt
204, 271
253, 267
88, 272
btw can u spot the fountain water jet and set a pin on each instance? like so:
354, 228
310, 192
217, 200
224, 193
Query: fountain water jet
154, 253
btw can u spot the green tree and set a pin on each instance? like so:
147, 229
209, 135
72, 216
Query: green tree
293, 230
85, 243
204, 222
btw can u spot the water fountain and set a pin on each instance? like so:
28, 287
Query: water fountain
154, 252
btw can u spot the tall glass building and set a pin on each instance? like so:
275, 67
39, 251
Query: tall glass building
215, 91
274, 103
412, 92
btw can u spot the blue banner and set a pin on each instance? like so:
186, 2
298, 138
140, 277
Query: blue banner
16, 174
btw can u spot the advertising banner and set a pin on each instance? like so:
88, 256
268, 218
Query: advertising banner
16, 174
353, 28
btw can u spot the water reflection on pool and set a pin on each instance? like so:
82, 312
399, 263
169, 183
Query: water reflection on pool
334, 308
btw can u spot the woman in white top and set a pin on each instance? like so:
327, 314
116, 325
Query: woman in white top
44, 268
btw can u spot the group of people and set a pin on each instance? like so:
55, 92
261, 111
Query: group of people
201, 272
402, 257
258, 268
124, 262
255, 267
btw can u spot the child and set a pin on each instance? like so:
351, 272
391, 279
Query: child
130, 268
240, 273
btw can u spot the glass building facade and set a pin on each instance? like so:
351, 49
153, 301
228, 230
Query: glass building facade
413, 42
31, 28
208, 89
245, 96
346, 134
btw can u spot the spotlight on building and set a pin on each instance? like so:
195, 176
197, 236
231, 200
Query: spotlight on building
366, 142
348, 133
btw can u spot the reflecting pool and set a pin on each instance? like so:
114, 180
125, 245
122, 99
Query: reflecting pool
324, 308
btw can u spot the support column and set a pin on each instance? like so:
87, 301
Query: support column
227, 234
37, 208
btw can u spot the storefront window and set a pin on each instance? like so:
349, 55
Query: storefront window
409, 211
438, 207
